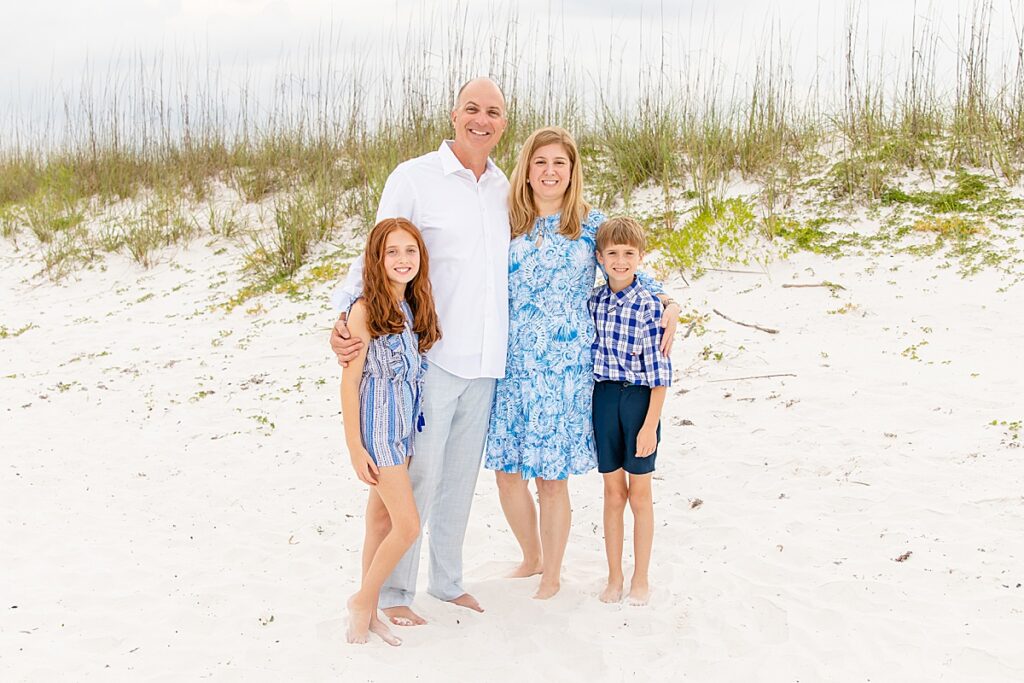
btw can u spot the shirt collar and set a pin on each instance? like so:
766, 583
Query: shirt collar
451, 164
627, 294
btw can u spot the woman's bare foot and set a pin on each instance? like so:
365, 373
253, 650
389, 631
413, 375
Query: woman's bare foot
525, 569
358, 630
639, 593
468, 601
381, 629
613, 591
403, 616
546, 590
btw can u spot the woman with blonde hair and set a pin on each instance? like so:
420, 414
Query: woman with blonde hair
541, 417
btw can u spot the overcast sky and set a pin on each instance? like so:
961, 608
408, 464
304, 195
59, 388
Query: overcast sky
45, 44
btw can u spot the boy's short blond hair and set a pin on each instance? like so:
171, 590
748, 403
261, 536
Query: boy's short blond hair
621, 230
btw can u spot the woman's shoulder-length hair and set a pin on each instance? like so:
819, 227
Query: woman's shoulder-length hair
522, 213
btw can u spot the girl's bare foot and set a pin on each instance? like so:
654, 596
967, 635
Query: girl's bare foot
358, 622
381, 629
525, 569
546, 590
639, 593
403, 616
613, 591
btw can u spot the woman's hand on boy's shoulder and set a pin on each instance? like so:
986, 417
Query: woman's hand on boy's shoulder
669, 322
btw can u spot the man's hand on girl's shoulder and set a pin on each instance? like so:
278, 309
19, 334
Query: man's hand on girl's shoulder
345, 346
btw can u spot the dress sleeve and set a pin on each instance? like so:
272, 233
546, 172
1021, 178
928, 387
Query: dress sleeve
650, 284
591, 223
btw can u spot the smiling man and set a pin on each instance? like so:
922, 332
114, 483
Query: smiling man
458, 198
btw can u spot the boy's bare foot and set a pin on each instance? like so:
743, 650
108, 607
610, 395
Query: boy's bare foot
639, 593
468, 601
612, 592
358, 622
546, 590
403, 616
381, 629
526, 569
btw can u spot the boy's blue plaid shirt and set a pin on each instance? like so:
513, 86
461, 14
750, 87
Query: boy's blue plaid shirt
628, 334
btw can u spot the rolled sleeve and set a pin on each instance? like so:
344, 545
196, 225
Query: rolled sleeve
657, 366
351, 289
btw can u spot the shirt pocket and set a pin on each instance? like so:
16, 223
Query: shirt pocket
635, 362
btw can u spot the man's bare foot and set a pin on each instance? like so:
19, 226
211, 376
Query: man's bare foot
403, 616
526, 569
546, 590
381, 629
639, 593
468, 601
358, 622
612, 592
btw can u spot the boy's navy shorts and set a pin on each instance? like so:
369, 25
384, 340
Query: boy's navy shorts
619, 411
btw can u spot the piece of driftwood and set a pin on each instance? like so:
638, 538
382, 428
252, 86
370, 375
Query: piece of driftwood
737, 379
737, 322
830, 285
742, 272
689, 329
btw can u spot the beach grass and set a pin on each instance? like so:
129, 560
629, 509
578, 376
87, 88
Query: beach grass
320, 152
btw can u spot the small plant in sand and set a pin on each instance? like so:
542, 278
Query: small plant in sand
953, 227
708, 353
724, 232
301, 219
848, 307
966, 190
6, 333
47, 215
1011, 432
911, 351
808, 235
695, 322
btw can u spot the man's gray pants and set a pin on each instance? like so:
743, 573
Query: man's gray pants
443, 471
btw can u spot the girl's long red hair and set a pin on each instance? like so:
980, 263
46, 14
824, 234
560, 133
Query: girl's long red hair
383, 314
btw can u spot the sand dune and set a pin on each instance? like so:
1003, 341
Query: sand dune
177, 502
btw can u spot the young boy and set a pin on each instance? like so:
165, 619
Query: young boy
631, 377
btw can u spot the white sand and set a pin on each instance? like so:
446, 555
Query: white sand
153, 532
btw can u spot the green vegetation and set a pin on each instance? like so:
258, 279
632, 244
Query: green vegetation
965, 190
721, 232
5, 333
1011, 432
807, 236
147, 165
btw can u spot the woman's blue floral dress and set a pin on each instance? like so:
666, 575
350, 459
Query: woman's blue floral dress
541, 417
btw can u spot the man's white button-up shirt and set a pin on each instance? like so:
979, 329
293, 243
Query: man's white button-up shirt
465, 228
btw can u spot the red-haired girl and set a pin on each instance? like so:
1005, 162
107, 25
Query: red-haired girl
380, 404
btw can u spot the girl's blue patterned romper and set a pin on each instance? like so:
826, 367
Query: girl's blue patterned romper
390, 395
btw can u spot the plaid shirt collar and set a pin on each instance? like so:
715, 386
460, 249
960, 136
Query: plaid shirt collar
623, 296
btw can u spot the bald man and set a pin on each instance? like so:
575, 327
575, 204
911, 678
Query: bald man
458, 198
